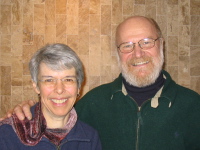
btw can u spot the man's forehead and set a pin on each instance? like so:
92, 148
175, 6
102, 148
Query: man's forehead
130, 32
135, 23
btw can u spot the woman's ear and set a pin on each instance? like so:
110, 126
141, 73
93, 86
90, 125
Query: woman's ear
79, 90
35, 87
78, 93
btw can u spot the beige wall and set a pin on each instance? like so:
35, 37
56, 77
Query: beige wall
88, 26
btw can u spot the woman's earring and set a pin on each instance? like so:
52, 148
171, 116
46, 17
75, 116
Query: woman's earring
78, 95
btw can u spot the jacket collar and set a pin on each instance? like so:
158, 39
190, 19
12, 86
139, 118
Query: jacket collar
168, 91
77, 133
116, 85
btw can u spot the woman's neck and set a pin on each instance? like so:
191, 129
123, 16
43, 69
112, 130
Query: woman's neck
55, 121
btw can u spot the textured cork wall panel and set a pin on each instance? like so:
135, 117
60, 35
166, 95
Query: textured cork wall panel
88, 26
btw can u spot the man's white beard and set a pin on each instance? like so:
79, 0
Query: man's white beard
142, 81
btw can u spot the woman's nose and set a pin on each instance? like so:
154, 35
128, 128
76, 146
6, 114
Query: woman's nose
59, 87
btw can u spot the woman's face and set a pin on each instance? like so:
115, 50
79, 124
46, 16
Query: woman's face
58, 91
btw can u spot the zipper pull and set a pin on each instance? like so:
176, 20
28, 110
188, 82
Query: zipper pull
140, 117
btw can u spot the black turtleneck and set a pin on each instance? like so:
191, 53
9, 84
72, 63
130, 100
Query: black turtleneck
142, 94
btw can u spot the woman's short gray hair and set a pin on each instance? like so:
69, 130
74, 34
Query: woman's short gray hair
58, 57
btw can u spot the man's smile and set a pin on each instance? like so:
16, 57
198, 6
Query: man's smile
140, 63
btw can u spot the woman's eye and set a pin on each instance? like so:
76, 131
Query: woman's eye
68, 80
48, 80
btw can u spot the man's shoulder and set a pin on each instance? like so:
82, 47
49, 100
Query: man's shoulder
173, 88
187, 92
182, 95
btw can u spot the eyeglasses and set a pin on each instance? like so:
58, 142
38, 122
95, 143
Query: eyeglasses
51, 82
144, 44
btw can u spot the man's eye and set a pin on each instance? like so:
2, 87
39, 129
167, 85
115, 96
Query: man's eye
146, 42
127, 46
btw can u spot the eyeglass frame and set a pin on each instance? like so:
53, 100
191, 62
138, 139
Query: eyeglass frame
154, 40
54, 82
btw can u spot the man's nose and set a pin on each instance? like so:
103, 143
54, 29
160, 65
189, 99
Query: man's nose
138, 52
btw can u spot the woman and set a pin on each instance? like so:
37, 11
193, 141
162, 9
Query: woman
57, 74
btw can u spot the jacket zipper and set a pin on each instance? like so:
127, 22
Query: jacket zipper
139, 122
59, 146
138, 127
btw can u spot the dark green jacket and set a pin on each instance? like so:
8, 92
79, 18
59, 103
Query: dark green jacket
173, 125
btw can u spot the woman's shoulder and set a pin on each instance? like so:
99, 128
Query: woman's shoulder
6, 130
6, 127
85, 127
6, 124
84, 131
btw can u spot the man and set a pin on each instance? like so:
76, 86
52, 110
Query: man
143, 109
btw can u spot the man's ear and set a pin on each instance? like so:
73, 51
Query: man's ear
35, 87
162, 41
